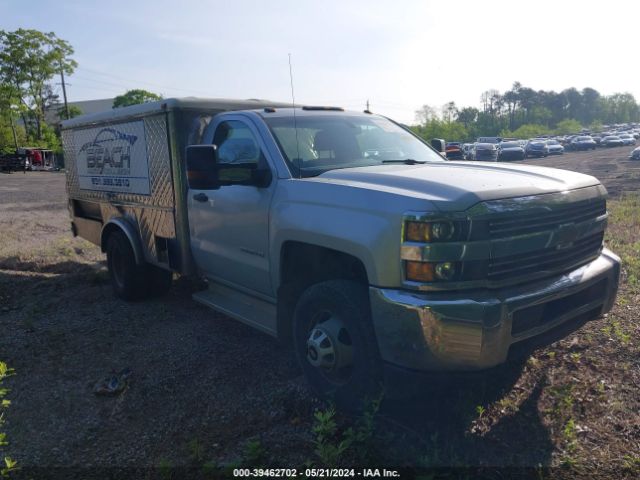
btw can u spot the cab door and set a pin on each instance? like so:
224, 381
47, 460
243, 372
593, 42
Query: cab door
229, 225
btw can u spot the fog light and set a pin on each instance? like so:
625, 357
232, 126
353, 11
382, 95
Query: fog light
445, 270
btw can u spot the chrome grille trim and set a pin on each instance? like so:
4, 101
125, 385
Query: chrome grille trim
548, 259
508, 226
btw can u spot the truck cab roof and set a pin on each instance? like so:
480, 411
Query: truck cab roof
195, 103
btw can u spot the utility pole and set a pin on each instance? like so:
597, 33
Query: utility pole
13, 130
64, 92
367, 104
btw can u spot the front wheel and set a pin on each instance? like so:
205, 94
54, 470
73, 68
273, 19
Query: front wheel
335, 343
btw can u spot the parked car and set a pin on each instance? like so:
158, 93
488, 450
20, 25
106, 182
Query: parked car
554, 147
466, 151
486, 152
510, 151
635, 154
612, 141
536, 147
454, 150
627, 138
583, 142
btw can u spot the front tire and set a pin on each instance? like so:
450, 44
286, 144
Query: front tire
335, 343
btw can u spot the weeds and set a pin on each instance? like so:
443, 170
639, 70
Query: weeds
254, 453
196, 450
570, 434
333, 445
9, 463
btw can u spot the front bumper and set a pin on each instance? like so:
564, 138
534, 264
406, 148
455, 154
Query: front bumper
474, 330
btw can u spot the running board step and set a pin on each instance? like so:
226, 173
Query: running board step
248, 309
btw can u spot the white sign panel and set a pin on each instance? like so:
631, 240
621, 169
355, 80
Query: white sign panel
113, 158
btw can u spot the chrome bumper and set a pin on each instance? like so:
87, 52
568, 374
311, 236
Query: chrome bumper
473, 330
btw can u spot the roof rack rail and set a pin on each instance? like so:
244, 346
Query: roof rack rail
331, 109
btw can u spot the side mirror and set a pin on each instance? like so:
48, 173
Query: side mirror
202, 171
440, 146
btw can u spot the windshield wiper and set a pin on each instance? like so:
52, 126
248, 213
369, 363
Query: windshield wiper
406, 161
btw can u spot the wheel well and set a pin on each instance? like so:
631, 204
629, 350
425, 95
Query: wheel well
126, 230
302, 265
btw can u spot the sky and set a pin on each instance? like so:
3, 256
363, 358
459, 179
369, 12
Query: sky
396, 54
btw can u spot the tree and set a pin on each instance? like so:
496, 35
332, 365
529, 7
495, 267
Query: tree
529, 130
135, 97
449, 111
29, 59
74, 111
425, 114
567, 126
467, 116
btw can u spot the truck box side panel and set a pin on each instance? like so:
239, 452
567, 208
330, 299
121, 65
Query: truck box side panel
106, 166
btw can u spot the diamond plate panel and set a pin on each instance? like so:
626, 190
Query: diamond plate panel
154, 213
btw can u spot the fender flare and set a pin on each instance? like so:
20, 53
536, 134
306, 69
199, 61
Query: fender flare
129, 230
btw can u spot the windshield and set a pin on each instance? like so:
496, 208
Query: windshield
510, 145
327, 142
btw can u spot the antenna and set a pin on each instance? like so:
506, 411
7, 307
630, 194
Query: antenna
295, 123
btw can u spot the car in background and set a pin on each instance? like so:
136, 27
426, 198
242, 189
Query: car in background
510, 151
583, 142
635, 154
454, 150
536, 147
486, 152
489, 140
611, 141
627, 138
554, 147
466, 151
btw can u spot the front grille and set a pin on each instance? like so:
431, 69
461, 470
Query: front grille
546, 259
523, 223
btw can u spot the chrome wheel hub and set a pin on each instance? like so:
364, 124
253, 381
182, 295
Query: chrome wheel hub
329, 345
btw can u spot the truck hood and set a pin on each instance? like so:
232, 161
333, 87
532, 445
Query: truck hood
457, 186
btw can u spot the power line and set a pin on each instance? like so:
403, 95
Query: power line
133, 80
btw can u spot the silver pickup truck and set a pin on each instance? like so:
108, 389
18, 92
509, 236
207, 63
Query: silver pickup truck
340, 233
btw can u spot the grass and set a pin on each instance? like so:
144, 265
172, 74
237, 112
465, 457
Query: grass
622, 236
9, 464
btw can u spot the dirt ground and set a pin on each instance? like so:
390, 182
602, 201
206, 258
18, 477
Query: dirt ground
205, 389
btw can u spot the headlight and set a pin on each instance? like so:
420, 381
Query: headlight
429, 231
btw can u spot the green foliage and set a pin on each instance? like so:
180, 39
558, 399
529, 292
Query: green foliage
135, 97
519, 107
527, 131
254, 453
74, 111
29, 59
565, 127
334, 445
9, 463
450, 131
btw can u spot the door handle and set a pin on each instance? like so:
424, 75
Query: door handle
200, 197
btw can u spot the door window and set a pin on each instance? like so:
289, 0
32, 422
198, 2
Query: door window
236, 143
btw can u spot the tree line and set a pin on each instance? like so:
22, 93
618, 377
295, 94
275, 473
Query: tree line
523, 112
31, 62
